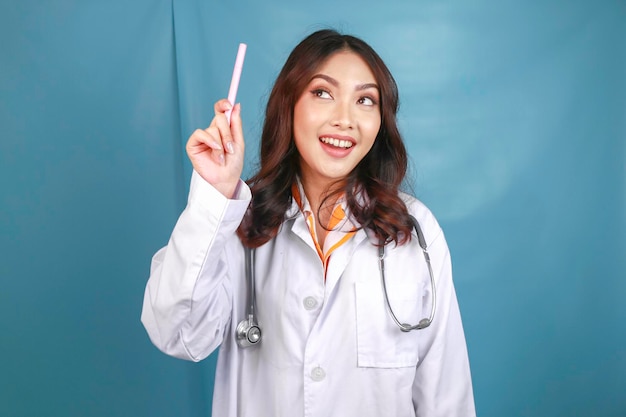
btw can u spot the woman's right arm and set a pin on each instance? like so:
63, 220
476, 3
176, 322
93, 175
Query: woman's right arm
188, 298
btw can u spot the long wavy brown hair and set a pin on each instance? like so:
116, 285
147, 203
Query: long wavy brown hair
378, 175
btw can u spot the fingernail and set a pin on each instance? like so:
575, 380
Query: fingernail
230, 148
222, 160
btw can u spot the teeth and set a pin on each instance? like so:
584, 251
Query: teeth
337, 142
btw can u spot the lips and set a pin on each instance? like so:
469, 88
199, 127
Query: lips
338, 142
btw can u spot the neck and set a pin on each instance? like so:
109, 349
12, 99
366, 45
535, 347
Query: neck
315, 192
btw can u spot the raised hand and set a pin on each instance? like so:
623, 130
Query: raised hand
216, 152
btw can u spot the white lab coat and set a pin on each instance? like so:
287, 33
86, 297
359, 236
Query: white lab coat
328, 349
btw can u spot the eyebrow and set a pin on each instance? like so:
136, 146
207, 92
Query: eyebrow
335, 83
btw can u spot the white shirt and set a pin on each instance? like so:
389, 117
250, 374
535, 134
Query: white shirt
328, 348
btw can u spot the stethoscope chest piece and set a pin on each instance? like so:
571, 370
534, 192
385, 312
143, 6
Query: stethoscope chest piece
248, 333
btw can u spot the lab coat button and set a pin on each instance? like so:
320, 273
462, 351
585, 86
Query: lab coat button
309, 303
317, 374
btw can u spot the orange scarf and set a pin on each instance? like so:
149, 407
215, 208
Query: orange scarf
340, 228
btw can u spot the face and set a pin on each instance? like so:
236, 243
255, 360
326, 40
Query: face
336, 119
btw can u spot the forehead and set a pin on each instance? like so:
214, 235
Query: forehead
347, 65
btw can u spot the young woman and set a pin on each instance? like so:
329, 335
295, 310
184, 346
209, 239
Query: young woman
325, 199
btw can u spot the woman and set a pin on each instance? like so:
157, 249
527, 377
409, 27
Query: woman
324, 200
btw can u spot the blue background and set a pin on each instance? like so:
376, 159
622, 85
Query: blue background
515, 117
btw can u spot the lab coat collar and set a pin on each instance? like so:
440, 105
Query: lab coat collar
295, 222
294, 209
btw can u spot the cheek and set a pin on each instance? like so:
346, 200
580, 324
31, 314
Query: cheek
301, 115
296, 131
371, 128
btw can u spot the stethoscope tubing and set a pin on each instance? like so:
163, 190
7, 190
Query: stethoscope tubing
248, 332
423, 323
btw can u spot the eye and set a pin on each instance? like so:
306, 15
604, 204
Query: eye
367, 101
321, 93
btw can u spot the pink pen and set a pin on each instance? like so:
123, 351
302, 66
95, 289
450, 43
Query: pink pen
234, 82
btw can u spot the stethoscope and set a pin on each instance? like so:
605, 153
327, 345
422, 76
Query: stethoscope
248, 332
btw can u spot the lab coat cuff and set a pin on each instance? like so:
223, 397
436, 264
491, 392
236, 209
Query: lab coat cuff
206, 197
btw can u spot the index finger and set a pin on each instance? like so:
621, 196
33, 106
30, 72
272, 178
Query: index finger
222, 106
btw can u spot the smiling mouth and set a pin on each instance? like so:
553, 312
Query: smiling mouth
337, 143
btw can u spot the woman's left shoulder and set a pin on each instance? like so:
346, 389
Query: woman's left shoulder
424, 216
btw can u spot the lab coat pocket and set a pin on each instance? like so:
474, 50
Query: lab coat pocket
380, 342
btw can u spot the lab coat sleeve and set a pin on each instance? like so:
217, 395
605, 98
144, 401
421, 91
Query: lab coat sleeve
188, 298
442, 385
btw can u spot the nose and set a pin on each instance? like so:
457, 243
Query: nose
343, 115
